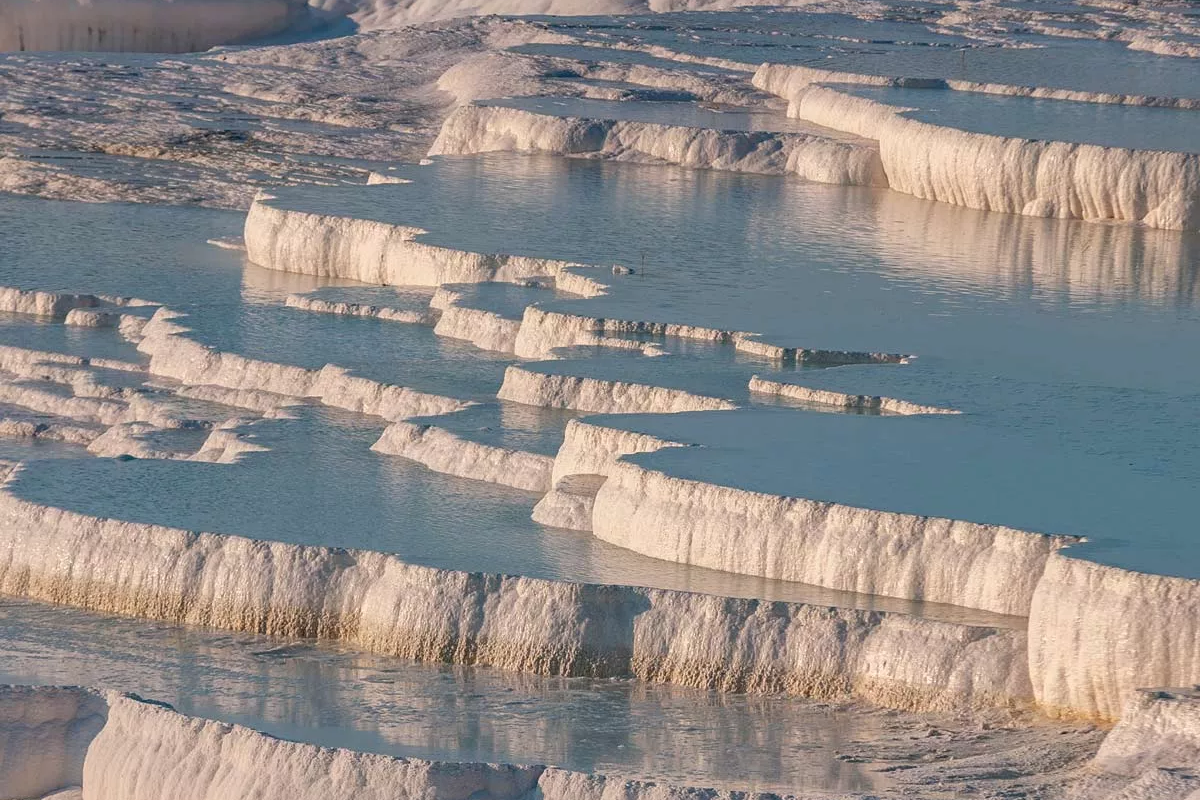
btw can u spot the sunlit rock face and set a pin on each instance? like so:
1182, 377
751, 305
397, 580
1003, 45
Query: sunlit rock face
44, 734
140, 26
824, 159
977, 510
1058, 179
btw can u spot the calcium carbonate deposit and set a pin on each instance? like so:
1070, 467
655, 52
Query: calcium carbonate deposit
584, 400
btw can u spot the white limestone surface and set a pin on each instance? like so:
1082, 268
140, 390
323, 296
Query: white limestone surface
789, 80
542, 331
443, 451
1159, 729
577, 282
569, 504
850, 402
27, 362
173, 355
827, 159
485, 329
320, 306
549, 390
988, 567
135, 439
589, 448
266, 403
33, 426
388, 254
1018, 176
19, 364
44, 397
226, 445
123, 747
372, 252
44, 735
376, 602
150, 26
43, 304
1097, 633
147, 751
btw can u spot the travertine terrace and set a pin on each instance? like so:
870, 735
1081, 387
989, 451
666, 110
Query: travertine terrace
386, 385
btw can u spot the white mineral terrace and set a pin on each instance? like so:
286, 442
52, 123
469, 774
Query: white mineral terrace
825, 158
573, 400
97, 744
956, 562
110, 745
1036, 178
978, 170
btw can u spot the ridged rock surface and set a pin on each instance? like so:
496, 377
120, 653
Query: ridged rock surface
376, 602
596, 395
849, 402
443, 451
1018, 176
150, 752
86, 745
1097, 633
44, 733
988, 567
834, 158
371, 252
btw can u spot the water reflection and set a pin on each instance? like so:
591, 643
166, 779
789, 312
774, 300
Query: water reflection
320, 694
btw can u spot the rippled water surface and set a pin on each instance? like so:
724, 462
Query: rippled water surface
304, 691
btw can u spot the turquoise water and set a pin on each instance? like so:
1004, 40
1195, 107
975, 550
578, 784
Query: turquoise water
504, 299
40, 334
1062, 340
124, 250
513, 425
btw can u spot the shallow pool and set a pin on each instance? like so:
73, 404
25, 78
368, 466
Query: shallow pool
1133, 127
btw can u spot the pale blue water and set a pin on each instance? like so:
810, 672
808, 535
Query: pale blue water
1088, 66
1063, 339
1066, 345
304, 691
503, 424
1135, 127
902, 46
412, 298
124, 250
692, 366
320, 484
505, 299
408, 355
750, 32
41, 334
